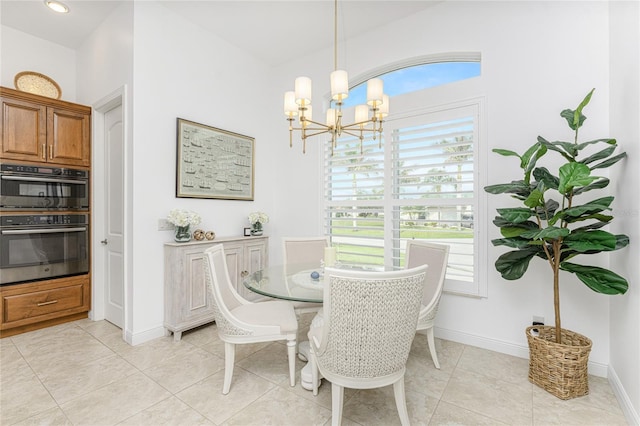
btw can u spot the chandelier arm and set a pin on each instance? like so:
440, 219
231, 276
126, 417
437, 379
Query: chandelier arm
317, 133
324, 126
355, 135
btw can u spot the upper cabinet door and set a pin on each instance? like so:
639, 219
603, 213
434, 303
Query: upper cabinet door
23, 127
68, 137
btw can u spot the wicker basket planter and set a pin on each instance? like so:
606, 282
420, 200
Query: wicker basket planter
560, 369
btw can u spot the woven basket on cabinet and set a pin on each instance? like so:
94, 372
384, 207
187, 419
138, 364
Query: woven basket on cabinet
560, 369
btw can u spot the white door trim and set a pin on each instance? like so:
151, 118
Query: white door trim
118, 97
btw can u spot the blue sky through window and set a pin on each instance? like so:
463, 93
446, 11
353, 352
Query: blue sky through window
415, 78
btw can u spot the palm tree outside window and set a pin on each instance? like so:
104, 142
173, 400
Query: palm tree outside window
421, 184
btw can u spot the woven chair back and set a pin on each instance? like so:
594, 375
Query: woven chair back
223, 296
372, 320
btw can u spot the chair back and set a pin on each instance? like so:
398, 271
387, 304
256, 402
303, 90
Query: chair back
437, 257
370, 321
224, 297
302, 253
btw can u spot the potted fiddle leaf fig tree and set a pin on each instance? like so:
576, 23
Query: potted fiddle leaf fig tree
553, 223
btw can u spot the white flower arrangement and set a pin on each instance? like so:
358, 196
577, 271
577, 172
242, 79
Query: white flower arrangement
256, 217
180, 217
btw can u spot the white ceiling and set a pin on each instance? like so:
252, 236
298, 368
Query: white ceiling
274, 31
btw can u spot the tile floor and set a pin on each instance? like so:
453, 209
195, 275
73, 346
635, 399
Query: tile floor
82, 373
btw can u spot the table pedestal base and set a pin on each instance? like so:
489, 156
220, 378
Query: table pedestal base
306, 374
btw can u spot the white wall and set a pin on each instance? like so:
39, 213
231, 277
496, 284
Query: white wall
530, 76
24, 52
182, 71
624, 326
105, 67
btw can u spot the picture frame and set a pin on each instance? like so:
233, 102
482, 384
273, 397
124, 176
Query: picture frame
213, 163
247, 232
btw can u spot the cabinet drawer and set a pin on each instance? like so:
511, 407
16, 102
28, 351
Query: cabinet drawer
32, 305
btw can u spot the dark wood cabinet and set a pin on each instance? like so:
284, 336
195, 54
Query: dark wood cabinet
29, 306
43, 130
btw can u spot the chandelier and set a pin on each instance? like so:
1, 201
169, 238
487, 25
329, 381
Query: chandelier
368, 118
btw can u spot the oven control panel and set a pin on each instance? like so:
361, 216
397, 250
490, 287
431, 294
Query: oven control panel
43, 171
42, 220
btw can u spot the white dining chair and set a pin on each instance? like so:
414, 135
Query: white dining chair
240, 321
300, 253
437, 257
369, 324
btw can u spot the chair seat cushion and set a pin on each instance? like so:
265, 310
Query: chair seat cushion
276, 312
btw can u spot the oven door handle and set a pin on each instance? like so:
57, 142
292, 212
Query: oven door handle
43, 179
41, 231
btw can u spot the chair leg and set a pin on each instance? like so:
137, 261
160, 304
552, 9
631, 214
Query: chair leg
291, 349
432, 347
229, 360
401, 402
314, 370
337, 396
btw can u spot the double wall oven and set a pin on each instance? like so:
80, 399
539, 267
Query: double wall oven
44, 226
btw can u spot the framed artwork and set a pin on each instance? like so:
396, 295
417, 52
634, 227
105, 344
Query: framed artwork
213, 163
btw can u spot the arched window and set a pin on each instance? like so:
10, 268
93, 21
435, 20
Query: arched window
417, 77
422, 181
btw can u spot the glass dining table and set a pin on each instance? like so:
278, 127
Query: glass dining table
297, 283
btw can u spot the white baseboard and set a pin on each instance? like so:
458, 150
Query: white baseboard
630, 413
144, 336
595, 368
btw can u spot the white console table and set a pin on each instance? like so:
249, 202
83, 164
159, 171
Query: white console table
186, 304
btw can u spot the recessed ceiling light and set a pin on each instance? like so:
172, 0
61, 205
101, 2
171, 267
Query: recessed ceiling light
56, 6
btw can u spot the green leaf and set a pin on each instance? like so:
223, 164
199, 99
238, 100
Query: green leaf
515, 187
599, 155
621, 241
529, 158
575, 118
551, 232
506, 152
524, 160
516, 215
572, 175
597, 279
542, 150
543, 175
569, 115
553, 147
596, 225
599, 184
547, 211
578, 118
595, 206
535, 199
590, 240
583, 145
596, 216
610, 162
510, 242
512, 265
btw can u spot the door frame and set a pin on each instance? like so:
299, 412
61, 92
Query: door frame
100, 108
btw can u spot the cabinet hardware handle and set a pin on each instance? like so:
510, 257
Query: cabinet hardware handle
44, 151
244, 274
50, 152
104, 242
47, 303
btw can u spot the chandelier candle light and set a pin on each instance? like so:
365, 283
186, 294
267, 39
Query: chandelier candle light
298, 103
